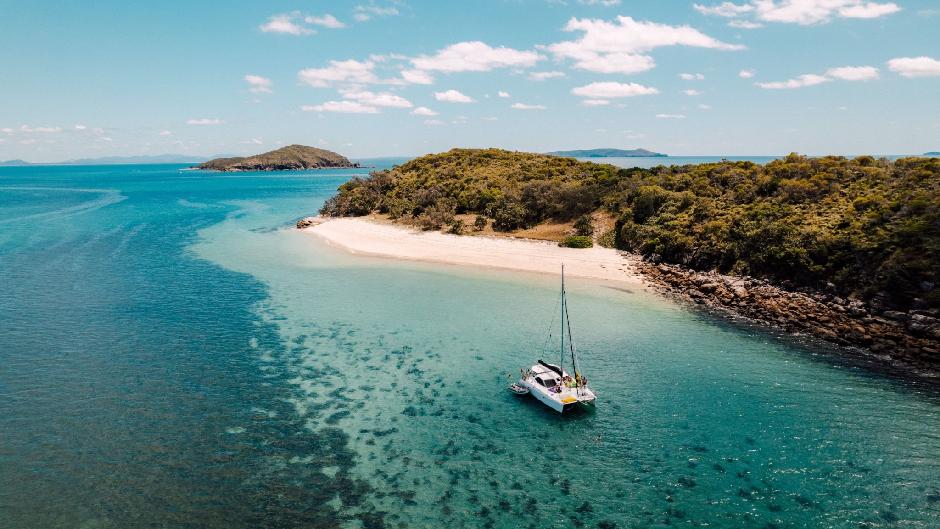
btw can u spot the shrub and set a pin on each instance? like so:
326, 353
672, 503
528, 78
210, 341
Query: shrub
584, 225
456, 226
480, 223
576, 241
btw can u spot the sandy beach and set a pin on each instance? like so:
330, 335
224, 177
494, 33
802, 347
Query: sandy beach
365, 237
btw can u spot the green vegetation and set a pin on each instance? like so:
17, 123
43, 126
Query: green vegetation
864, 226
608, 153
577, 241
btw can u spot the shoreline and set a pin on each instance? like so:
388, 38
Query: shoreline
911, 340
360, 236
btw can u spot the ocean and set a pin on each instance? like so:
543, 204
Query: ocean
174, 354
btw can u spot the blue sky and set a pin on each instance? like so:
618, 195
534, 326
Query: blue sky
750, 77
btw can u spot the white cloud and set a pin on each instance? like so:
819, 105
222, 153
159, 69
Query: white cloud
423, 111
691, 76
351, 71
746, 74
453, 96
164, 133
475, 56
286, 24
670, 116
252, 141
621, 46
853, 73
610, 89
595, 102
43, 130
372, 99
342, 107
809, 79
417, 77
523, 106
433, 122
327, 21
503, 94
804, 12
365, 12
915, 66
703, 106
744, 24
691, 92
605, 3
542, 76
724, 9
490, 118
258, 84
204, 121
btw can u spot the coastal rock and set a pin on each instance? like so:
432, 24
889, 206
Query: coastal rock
911, 338
306, 222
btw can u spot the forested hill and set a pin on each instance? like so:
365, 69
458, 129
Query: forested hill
863, 226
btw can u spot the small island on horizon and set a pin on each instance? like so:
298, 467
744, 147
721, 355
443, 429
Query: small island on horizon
290, 158
609, 153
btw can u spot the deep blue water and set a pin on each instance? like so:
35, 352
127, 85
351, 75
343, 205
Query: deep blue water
173, 355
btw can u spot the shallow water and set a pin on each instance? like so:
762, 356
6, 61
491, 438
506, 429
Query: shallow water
173, 355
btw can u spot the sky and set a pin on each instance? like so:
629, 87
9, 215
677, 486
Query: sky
373, 78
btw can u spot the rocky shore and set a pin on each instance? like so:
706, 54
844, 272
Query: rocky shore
911, 338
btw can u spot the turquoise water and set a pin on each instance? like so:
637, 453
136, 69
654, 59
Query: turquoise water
173, 355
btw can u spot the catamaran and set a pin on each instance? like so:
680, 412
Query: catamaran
550, 383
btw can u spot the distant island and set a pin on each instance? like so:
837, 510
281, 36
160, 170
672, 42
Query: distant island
609, 153
14, 162
290, 158
932, 153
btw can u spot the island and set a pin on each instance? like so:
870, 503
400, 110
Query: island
844, 249
609, 153
290, 158
932, 153
14, 163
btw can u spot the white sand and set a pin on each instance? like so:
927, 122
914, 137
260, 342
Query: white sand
364, 237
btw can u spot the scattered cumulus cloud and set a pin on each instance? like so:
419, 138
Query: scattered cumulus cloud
746, 74
543, 76
611, 89
691, 76
252, 141
423, 111
524, 106
204, 121
453, 96
621, 46
724, 9
286, 24
604, 3
475, 56
803, 12
80, 127
915, 66
853, 73
164, 133
342, 107
372, 99
670, 116
417, 77
595, 102
809, 79
502, 93
433, 122
691, 92
365, 12
349, 71
258, 84
703, 106
841, 73
326, 21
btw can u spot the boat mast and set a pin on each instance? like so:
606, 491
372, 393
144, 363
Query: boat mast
561, 365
